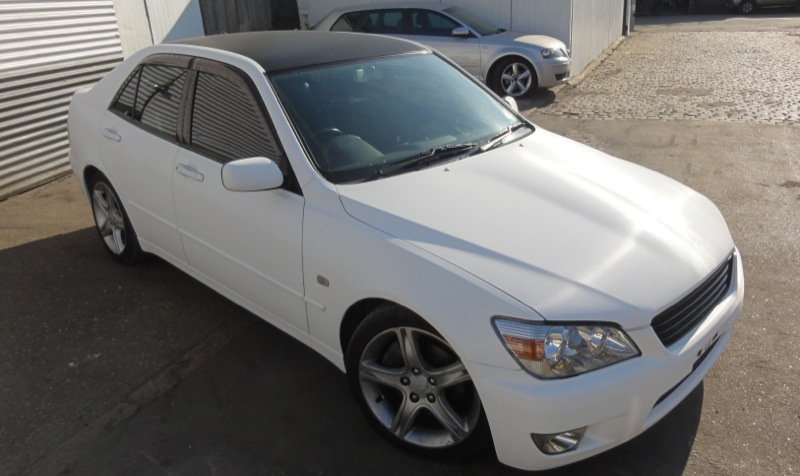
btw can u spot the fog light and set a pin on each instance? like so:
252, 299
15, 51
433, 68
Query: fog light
558, 443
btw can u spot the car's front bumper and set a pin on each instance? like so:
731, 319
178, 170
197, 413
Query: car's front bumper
614, 404
553, 72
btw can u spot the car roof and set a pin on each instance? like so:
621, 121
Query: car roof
384, 6
284, 50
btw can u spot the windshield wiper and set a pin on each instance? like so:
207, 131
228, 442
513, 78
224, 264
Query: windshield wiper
498, 139
426, 157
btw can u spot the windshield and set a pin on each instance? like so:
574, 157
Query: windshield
478, 24
359, 120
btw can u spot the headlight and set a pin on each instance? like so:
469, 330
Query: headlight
557, 350
554, 53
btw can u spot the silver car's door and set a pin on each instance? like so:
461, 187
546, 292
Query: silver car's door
436, 30
139, 145
244, 243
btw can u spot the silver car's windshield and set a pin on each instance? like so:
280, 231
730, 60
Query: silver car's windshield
378, 117
478, 24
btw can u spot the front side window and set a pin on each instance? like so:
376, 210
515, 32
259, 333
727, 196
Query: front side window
152, 97
428, 23
483, 27
227, 124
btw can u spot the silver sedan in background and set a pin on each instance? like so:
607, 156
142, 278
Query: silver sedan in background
511, 63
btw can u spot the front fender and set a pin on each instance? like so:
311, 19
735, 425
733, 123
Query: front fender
356, 261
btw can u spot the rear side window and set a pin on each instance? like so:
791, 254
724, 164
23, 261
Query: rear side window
227, 124
346, 22
152, 97
387, 22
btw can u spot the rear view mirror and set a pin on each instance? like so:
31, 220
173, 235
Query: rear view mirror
461, 32
511, 102
250, 175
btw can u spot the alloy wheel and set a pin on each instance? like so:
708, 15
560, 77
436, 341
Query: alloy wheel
109, 218
417, 388
516, 79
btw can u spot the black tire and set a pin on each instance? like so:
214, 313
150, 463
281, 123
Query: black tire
747, 7
427, 383
514, 77
111, 221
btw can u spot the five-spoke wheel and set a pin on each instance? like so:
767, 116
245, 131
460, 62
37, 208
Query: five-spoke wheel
112, 222
413, 386
747, 7
514, 77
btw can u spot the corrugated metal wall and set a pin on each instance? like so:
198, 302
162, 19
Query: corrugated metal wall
595, 25
48, 50
232, 16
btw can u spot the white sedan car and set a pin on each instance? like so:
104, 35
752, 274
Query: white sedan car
510, 62
478, 278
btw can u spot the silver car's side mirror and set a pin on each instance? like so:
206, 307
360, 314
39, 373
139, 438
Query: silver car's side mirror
250, 175
511, 102
461, 32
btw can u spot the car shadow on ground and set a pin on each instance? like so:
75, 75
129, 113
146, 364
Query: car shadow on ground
263, 404
538, 99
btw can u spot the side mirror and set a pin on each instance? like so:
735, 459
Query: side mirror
250, 175
511, 102
461, 32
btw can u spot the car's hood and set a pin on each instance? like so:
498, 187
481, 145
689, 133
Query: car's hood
565, 229
509, 37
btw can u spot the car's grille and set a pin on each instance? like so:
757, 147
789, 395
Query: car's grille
682, 317
562, 76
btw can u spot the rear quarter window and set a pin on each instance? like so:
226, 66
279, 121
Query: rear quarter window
346, 22
151, 97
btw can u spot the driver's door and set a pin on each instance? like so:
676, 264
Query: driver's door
436, 30
245, 243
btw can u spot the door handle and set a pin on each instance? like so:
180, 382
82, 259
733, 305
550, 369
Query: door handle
189, 171
111, 134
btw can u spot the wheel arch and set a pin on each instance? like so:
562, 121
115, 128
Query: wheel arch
354, 315
495, 63
88, 174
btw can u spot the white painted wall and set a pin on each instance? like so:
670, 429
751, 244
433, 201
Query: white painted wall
147, 22
495, 11
134, 29
595, 25
172, 20
543, 17
587, 27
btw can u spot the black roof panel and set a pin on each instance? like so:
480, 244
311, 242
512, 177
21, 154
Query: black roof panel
282, 50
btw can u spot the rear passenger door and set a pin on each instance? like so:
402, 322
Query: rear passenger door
389, 22
139, 145
246, 244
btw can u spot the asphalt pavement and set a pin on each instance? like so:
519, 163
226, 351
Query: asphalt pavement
106, 369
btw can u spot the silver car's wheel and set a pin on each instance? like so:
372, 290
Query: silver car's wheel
515, 77
112, 223
747, 7
413, 386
